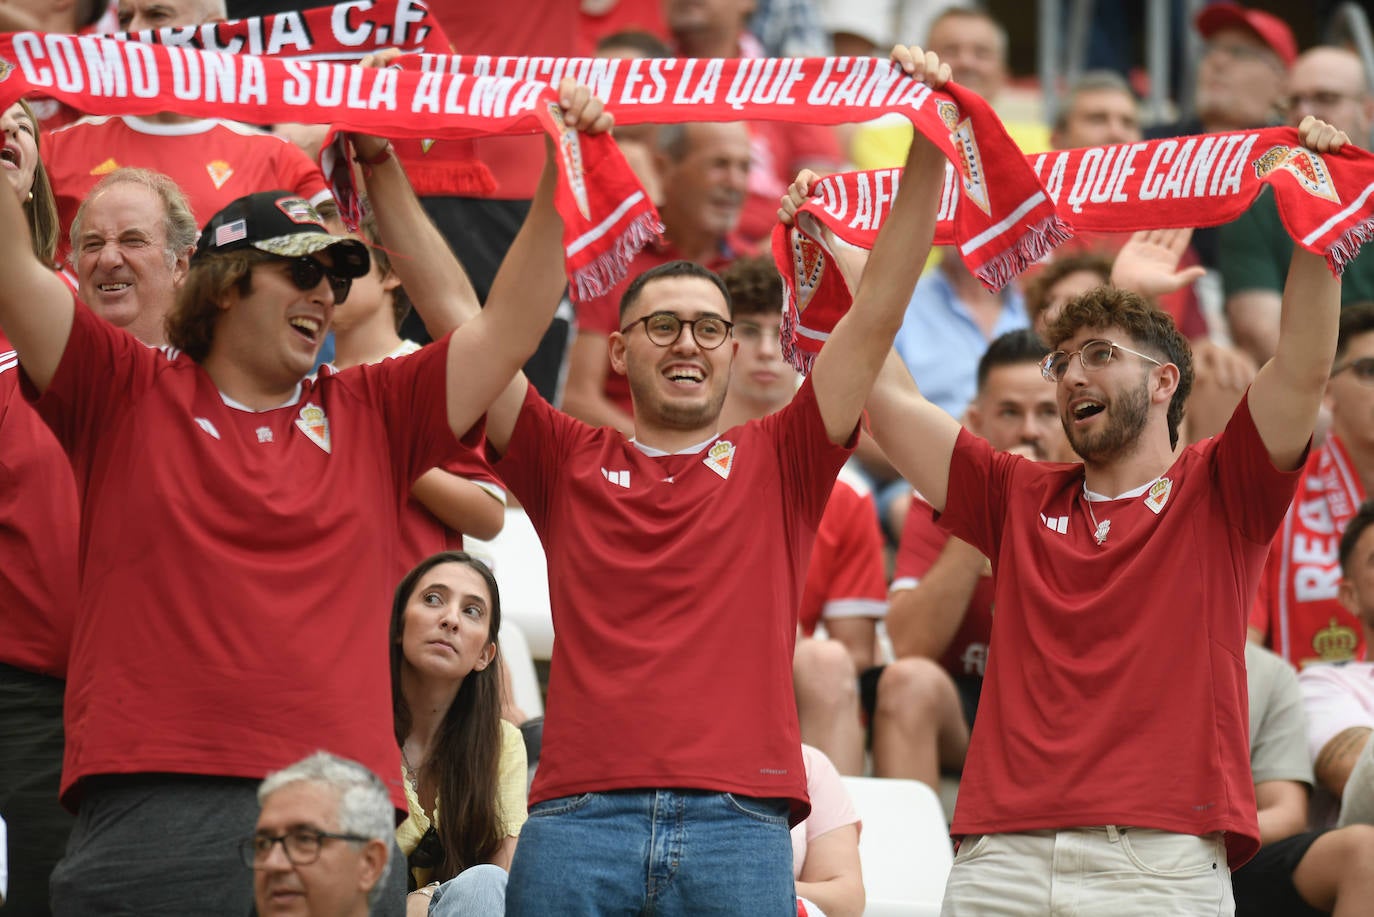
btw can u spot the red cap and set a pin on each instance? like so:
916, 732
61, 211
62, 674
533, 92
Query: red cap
1269, 28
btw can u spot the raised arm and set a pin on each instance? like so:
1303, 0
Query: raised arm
923, 620
850, 361
1287, 392
433, 278
487, 352
36, 308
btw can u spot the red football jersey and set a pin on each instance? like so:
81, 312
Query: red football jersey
921, 544
236, 566
214, 162
1115, 691
845, 578
674, 582
38, 527
423, 533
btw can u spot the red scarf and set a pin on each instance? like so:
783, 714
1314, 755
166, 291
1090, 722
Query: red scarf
345, 34
1307, 622
606, 215
604, 218
1000, 227
1326, 203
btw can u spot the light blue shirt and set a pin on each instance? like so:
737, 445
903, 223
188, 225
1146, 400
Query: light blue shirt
941, 343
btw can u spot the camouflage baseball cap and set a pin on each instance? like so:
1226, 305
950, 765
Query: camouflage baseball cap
280, 223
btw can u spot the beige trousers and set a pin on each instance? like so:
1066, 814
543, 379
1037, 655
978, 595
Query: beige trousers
1090, 872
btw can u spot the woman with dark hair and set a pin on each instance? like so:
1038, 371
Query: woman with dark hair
29, 178
456, 750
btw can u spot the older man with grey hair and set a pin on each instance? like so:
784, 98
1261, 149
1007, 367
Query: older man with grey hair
132, 240
322, 846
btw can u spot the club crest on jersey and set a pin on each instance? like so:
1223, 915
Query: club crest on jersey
105, 168
1158, 495
721, 458
219, 172
571, 145
808, 267
1306, 166
6, 68
426, 145
312, 422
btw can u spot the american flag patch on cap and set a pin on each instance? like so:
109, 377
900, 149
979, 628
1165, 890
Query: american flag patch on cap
231, 232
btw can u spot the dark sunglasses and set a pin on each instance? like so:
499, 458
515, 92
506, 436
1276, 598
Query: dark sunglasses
306, 273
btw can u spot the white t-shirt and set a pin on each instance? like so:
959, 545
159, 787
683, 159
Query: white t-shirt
1337, 696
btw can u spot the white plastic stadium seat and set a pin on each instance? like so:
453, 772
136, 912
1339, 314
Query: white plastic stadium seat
904, 846
517, 559
524, 681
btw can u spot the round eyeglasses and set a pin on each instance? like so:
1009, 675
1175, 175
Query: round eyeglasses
664, 329
1094, 355
302, 847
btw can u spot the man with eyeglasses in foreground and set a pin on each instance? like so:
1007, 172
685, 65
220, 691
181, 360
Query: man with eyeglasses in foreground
1298, 612
671, 765
323, 841
239, 520
1110, 763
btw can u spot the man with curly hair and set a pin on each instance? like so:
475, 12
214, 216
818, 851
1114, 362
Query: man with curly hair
1110, 763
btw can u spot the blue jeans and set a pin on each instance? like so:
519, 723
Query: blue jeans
654, 852
478, 891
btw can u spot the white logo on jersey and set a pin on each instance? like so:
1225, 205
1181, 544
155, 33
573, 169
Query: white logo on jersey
975, 659
207, 427
1058, 524
264, 434
620, 478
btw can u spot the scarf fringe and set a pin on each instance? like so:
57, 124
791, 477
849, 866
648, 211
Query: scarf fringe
798, 357
1344, 249
1035, 243
600, 275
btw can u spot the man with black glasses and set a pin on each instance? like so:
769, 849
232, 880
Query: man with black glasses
239, 519
323, 841
1110, 765
1298, 613
671, 764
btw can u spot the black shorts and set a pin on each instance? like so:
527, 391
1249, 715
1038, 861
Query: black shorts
970, 688
1264, 886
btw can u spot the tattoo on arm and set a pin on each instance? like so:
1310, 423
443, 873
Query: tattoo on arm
1338, 756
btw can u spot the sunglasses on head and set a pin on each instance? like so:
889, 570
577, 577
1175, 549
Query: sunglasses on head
306, 274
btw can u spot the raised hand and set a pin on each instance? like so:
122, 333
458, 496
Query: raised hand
583, 110
1148, 262
922, 65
